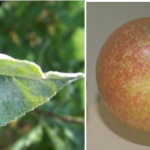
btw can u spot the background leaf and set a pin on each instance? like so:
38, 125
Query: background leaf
34, 136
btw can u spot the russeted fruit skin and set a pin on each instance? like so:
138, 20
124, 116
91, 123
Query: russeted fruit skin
123, 73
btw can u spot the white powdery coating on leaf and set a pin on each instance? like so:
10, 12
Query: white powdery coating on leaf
31, 63
4, 56
20, 94
73, 75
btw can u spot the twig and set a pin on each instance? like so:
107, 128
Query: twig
62, 117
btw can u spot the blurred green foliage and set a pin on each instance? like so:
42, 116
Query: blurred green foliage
50, 33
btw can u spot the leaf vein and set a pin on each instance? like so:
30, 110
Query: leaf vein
27, 87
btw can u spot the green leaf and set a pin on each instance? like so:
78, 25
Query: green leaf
33, 137
78, 19
58, 142
23, 86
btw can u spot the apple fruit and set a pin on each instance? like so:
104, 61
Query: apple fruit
123, 73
